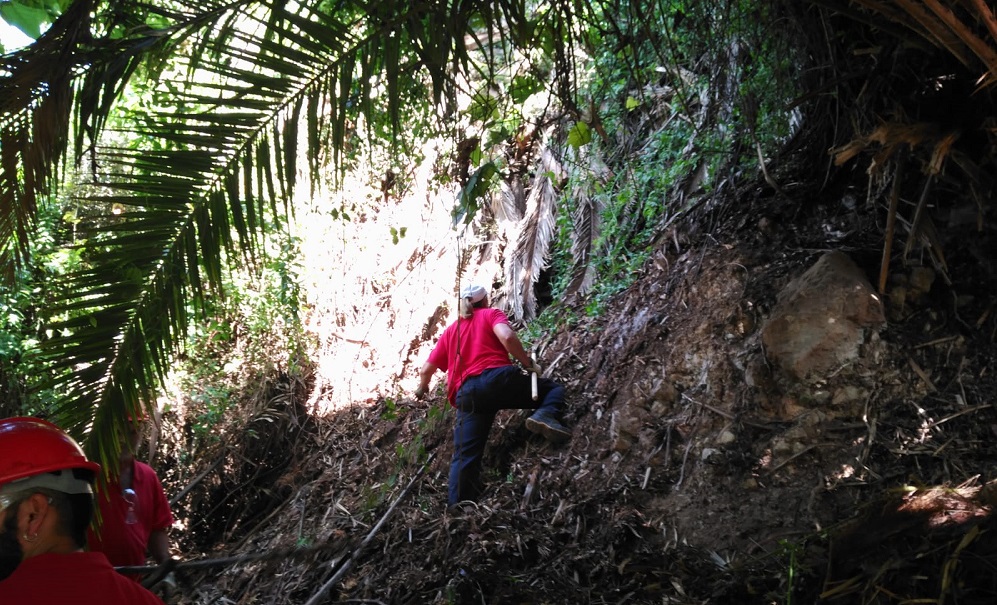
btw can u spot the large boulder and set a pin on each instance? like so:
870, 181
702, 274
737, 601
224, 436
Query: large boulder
822, 318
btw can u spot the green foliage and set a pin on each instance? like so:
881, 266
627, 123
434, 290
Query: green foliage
409, 454
790, 552
510, 97
243, 337
32, 16
210, 402
689, 90
523, 86
634, 204
557, 316
397, 234
268, 306
412, 452
580, 134
15, 341
436, 417
390, 410
476, 188
21, 331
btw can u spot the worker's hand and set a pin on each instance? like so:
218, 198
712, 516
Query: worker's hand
168, 585
420, 392
163, 584
535, 369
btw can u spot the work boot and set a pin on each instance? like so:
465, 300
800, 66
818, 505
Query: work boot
543, 423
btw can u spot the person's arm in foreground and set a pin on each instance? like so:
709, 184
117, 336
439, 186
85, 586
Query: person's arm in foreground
159, 545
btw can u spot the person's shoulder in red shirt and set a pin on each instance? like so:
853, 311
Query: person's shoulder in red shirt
81, 578
494, 315
149, 488
129, 518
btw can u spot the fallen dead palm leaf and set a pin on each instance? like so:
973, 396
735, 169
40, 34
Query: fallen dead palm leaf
976, 45
528, 257
937, 23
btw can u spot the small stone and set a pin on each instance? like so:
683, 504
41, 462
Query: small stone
898, 296
659, 409
820, 397
780, 446
847, 394
921, 279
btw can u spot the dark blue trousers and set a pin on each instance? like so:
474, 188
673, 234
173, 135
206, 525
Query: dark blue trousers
478, 400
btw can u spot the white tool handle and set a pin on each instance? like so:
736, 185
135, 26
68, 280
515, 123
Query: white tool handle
534, 377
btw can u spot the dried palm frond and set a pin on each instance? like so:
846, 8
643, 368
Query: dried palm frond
890, 137
587, 225
511, 203
933, 29
528, 257
963, 29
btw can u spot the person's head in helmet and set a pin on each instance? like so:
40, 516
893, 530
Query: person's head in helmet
46, 493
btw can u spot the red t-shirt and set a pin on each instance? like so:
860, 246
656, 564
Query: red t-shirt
478, 348
79, 578
126, 543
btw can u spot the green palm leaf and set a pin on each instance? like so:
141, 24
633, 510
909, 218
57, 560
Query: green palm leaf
198, 186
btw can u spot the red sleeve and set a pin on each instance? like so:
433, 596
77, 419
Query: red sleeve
162, 516
498, 316
438, 356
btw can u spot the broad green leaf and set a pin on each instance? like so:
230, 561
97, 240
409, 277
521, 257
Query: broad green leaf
579, 135
28, 19
477, 186
524, 86
30, 15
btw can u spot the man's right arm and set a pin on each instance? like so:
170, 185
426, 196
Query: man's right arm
507, 336
425, 374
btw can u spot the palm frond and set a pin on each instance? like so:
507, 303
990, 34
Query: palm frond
964, 29
586, 220
528, 256
511, 201
36, 100
202, 182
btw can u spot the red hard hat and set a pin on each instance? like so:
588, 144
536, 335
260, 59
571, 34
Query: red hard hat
31, 446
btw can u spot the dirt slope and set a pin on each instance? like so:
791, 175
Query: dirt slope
694, 474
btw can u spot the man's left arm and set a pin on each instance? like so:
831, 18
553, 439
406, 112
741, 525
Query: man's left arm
159, 521
159, 545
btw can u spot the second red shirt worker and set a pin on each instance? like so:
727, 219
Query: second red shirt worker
135, 514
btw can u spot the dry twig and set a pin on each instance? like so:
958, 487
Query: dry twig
318, 596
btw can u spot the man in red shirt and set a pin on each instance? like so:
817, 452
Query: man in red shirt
481, 380
135, 515
46, 504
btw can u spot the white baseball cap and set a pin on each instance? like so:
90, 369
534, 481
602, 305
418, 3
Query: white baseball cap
475, 293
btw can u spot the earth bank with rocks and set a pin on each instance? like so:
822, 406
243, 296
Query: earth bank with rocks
752, 421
